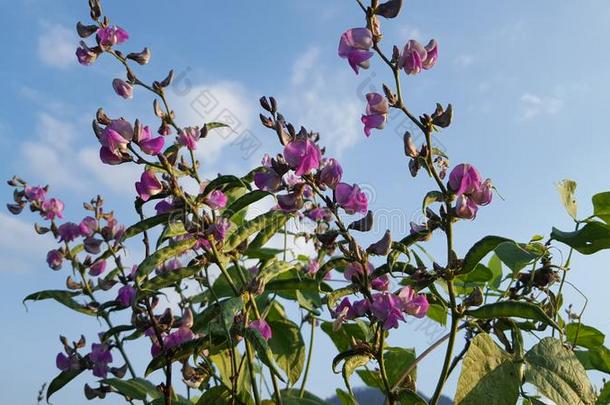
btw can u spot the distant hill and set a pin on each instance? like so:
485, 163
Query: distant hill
369, 396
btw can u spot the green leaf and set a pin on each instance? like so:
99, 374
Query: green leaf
116, 331
244, 201
584, 336
566, 190
408, 397
147, 224
592, 237
478, 251
557, 373
489, 375
293, 284
515, 256
293, 397
262, 349
249, 228
218, 395
160, 256
432, 197
274, 269
495, 266
222, 361
130, 389
62, 379
350, 364
397, 361
595, 359
601, 206
604, 395
480, 274
63, 297
343, 336
345, 398
224, 183
288, 348
169, 278
268, 232
180, 352
508, 309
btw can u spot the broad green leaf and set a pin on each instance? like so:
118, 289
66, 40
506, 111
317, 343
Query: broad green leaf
604, 395
224, 183
288, 348
180, 352
495, 266
244, 201
268, 232
262, 349
221, 314
117, 330
345, 398
480, 274
601, 206
293, 397
397, 361
592, 237
262, 253
432, 197
342, 337
131, 390
515, 256
169, 278
222, 361
334, 263
584, 336
479, 250
249, 228
595, 359
302, 284
408, 397
162, 255
218, 395
63, 297
350, 365
489, 375
557, 373
147, 223
274, 269
566, 189
62, 379
437, 313
509, 309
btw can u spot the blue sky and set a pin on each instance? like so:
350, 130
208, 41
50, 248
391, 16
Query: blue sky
529, 81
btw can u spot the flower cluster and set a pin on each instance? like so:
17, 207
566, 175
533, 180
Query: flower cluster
470, 191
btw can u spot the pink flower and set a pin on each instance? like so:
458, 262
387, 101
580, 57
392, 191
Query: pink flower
263, 327
148, 144
376, 112
52, 208
219, 228
64, 363
351, 198
163, 206
465, 207
465, 182
331, 173
122, 88
97, 268
303, 156
68, 232
354, 46
484, 193
189, 137
413, 303
431, 54
412, 57
318, 214
126, 296
35, 193
178, 337
110, 36
290, 202
312, 267
148, 185
381, 283
85, 55
464, 179
341, 313
216, 200
92, 245
106, 156
100, 356
387, 308
354, 271
55, 259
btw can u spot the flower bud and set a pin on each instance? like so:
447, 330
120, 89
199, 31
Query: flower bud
141, 58
122, 88
381, 247
331, 173
85, 31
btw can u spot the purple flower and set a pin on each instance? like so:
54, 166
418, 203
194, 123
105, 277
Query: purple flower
381, 283
312, 267
359, 308
189, 137
341, 313
267, 180
92, 245
353, 271
216, 200
63, 362
415, 57
290, 202
331, 173
148, 144
148, 185
484, 193
88, 226
68, 232
178, 337
387, 308
465, 207
100, 356
219, 228
52, 208
126, 295
413, 303
122, 88
35, 194
85, 55
431, 54
464, 179
263, 327
113, 230
318, 214
354, 46
114, 140
303, 156
55, 259
163, 206
110, 36
351, 198
106, 156
376, 112
97, 268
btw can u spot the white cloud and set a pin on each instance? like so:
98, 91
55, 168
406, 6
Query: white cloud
303, 65
19, 240
56, 46
534, 105
464, 60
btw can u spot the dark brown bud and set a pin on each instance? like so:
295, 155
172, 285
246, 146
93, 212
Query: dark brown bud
475, 298
102, 118
141, 58
410, 149
168, 79
157, 109
15, 209
389, 95
73, 285
442, 118
382, 246
119, 372
82, 342
95, 9
389, 9
363, 224
85, 31
273, 105
265, 104
266, 121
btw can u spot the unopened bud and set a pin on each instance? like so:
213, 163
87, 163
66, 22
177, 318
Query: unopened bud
141, 58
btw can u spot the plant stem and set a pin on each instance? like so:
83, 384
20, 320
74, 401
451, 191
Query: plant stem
250, 357
382, 370
309, 355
